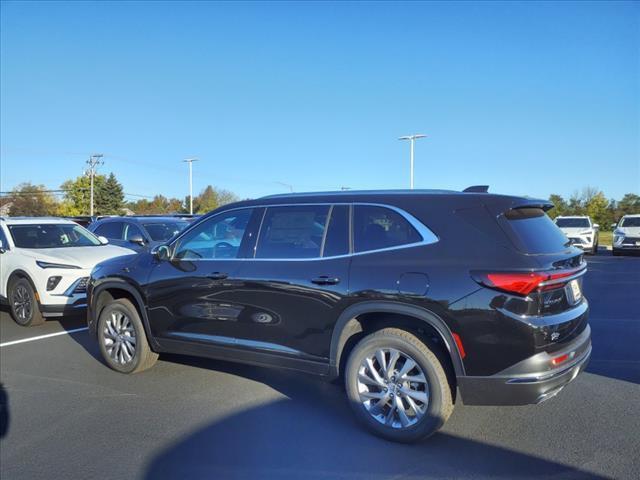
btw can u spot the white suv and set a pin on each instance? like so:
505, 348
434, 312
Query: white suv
45, 264
580, 231
626, 235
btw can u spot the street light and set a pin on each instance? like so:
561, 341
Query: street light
190, 162
413, 141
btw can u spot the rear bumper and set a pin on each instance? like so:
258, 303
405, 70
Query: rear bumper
531, 381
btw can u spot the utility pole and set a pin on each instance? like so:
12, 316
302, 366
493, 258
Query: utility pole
190, 162
413, 140
290, 187
94, 162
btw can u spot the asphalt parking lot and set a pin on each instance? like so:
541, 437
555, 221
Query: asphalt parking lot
69, 416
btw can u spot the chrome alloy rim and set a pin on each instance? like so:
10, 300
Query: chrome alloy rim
393, 388
120, 338
22, 303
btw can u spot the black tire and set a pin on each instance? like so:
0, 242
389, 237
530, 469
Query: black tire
25, 314
594, 251
440, 400
616, 252
143, 357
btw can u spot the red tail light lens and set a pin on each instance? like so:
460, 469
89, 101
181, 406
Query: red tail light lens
521, 283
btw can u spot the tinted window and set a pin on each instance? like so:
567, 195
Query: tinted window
572, 222
379, 227
218, 237
3, 239
292, 232
112, 230
631, 222
163, 231
52, 236
131, 230
535, 231
337, 241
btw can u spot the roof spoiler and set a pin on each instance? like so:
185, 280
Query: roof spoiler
477, 189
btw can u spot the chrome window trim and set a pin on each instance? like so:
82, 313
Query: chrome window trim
428, 237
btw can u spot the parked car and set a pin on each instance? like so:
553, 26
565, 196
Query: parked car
581, 232
379, 288
82, 220
45, 264
139, 233
626, 235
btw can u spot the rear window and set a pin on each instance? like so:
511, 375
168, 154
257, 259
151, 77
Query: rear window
534, 231
572, 222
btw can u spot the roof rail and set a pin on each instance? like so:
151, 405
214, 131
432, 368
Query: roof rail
477, 189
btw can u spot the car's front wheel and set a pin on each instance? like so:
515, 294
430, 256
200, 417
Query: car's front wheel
23, 302
122, 339
397, 386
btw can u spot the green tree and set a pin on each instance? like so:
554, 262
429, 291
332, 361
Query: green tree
629, 204
158, 205
110, 197
211, 198
597, 207
32, 201
560, 205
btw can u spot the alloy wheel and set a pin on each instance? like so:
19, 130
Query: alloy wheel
120, 338
393, 388
22, 303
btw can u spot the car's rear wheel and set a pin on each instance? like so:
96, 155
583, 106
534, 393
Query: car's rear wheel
25, 309
397, 386
122, 339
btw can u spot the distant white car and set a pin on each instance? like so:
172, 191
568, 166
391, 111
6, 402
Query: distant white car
626, 235
45, 264
580, 231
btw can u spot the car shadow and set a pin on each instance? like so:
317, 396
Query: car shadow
292, 439
4, 411
312, 433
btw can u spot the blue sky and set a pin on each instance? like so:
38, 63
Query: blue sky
530, 98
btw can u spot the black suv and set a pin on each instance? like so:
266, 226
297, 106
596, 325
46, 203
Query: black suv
413, 297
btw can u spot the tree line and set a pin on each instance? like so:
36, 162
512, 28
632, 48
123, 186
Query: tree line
109, 199
73, 199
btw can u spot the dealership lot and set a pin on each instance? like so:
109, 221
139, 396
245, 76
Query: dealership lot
70, 416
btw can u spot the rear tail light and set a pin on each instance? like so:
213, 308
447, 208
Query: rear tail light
522, 283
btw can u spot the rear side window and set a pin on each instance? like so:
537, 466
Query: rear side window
376, 227
534, 231
112, 230
295, 231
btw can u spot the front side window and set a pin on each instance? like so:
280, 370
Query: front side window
110, 230
295, 231
218, 237
375, 228
3, 239
52, 236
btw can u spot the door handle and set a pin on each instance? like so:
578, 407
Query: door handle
325, 280
217, 275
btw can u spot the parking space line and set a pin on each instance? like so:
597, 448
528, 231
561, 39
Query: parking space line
42, 337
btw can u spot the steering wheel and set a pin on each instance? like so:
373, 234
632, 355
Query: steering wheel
221, 249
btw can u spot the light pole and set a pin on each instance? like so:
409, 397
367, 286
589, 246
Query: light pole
413, 141
94, 162
290, 187
190, 162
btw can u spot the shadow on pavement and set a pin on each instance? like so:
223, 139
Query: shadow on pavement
4, 411
313, 434
288, 439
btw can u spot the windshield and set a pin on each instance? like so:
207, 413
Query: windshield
52, 236
163, 231
572, 222
630, 222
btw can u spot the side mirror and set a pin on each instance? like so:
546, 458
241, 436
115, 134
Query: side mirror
162, 253
137, 239
103, 240
595, 225
614, 225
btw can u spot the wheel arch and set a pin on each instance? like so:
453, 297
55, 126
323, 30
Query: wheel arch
352, 324
20, 273
114, 289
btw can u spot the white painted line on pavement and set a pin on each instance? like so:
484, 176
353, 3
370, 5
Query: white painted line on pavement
41, 337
